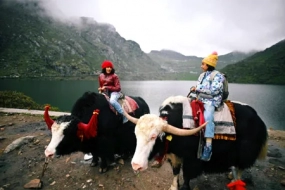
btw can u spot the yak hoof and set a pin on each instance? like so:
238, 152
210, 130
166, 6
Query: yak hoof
103, 170
121, 161
113, 164
93, 164
156, 164
184, 187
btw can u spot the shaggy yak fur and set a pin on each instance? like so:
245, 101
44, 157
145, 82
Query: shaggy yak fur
113, 137
250, 145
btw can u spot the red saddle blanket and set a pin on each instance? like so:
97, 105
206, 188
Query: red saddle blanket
198, 117
129, 104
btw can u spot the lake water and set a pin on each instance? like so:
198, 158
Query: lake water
267, 100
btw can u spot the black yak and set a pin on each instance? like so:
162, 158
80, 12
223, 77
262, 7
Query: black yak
94, 127
250, 143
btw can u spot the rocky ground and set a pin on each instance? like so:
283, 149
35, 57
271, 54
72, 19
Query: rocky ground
25, 163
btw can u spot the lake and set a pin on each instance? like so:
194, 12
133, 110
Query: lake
267, 100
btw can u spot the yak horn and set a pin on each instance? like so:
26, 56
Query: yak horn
47, 118
182, 132
130, 118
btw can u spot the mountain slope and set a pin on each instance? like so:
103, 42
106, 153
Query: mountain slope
34, 44
177, 62
232, 57
265, 67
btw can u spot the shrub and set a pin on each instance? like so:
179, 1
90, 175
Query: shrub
14, 99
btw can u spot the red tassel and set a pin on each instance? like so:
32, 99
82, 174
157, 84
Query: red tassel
47, 118
236, 185
198, 112
89, 130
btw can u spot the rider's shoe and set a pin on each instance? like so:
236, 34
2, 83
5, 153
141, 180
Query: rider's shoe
207, 153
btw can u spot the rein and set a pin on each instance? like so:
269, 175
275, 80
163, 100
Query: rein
47, 159
166, 145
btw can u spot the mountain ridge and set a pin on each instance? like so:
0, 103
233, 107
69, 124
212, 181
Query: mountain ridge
40, 45
33, 44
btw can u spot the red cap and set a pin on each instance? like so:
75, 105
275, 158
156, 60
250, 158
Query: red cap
106, 64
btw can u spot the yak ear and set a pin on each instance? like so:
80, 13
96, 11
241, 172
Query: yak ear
153, 134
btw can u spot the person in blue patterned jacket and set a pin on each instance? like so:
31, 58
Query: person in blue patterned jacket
209, 90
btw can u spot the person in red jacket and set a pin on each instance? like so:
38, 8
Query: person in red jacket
109, 83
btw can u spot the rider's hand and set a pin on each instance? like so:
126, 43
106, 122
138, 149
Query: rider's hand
193, 88
101, 88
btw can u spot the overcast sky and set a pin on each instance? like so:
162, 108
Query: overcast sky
191, 27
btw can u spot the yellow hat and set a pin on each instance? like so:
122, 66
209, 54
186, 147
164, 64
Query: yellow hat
211, 59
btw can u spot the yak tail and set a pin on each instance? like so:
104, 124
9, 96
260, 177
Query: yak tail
263, 152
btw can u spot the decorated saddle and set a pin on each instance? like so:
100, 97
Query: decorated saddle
193, 116
223, 118
128, 104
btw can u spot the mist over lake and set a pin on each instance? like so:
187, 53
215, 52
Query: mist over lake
267, 100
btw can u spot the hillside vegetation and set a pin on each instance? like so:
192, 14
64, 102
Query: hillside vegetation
178, 62
34, 44
265, 67
13, 99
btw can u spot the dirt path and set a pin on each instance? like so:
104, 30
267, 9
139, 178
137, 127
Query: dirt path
21, 165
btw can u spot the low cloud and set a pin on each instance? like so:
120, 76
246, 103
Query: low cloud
186, 26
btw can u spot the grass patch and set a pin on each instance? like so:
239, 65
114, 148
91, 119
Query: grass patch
14, 99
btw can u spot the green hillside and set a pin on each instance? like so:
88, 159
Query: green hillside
32, 44
183, 67
231, 58
265, 67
